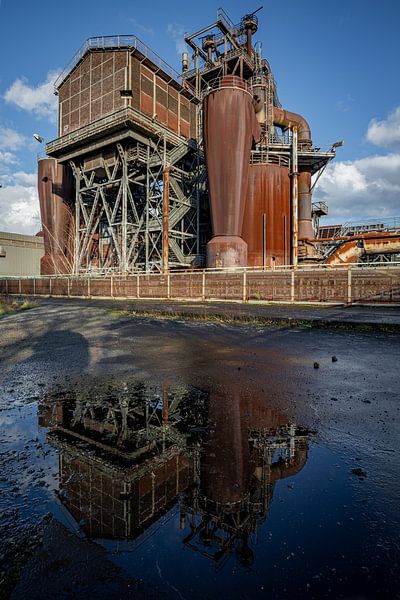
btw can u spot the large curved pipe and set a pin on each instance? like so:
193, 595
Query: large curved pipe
287, 119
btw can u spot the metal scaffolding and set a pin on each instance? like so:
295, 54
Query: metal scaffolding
137, 208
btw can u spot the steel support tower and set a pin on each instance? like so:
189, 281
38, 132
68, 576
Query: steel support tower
138, 171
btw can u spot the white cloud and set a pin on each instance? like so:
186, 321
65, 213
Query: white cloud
177, 33
26, 179
10, 139
368, 188
7, 158
19, 205
39, 100
386, 132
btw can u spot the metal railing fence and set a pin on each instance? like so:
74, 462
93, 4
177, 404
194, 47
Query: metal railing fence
370, 284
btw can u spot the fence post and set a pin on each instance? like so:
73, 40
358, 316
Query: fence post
19, 286
50, 286
244, 286
292, 288
349, 287
203, 286
112, 286
88, 287
137, 286
34, 286
7, 287
168, 286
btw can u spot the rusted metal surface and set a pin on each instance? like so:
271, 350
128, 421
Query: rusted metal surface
295, 199
266, 223
352, 249
304, 213
55, 187
166, 217
324, 284
226, 251
287, 119
230, 126
302, 181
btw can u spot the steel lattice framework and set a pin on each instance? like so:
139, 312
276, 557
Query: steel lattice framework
137, 209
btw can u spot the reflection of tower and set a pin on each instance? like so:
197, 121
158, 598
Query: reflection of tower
122, 460
249, 446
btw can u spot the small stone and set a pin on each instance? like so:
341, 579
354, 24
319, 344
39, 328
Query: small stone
316, 365
334, 358
359, 472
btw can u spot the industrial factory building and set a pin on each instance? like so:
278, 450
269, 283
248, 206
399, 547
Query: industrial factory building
20, 255
154, 170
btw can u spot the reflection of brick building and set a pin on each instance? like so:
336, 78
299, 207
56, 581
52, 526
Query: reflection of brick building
116, 502
127, 456
121, 458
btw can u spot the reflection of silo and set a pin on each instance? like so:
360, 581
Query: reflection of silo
55, 186
226, 466
266, 223
230, 126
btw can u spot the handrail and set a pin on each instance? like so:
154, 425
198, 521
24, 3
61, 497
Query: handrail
112, 119
354, 267
369, 225
264, 157
105, 42
228, 81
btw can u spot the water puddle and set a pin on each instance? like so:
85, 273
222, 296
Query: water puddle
132, 488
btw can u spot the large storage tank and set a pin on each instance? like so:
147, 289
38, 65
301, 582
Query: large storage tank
55, 186
230, 125
266, 223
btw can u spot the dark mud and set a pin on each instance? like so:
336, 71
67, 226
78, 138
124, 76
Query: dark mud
145, 458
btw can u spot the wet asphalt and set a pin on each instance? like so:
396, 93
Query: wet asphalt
343, 385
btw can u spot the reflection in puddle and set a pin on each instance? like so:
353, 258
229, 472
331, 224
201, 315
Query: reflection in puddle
129, 453
193, 493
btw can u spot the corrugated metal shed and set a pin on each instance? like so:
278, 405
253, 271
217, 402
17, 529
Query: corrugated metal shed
20, 254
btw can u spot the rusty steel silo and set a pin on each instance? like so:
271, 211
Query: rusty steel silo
56, 191
266, 223
230, 126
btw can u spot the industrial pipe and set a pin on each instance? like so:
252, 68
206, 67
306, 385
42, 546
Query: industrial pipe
165, 262
287, 119
305, 228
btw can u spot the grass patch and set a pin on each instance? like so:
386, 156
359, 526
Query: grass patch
280, 322
9, 306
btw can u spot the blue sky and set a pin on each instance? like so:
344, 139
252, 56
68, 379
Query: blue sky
335, 62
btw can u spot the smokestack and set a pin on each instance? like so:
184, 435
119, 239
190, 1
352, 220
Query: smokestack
185, 62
